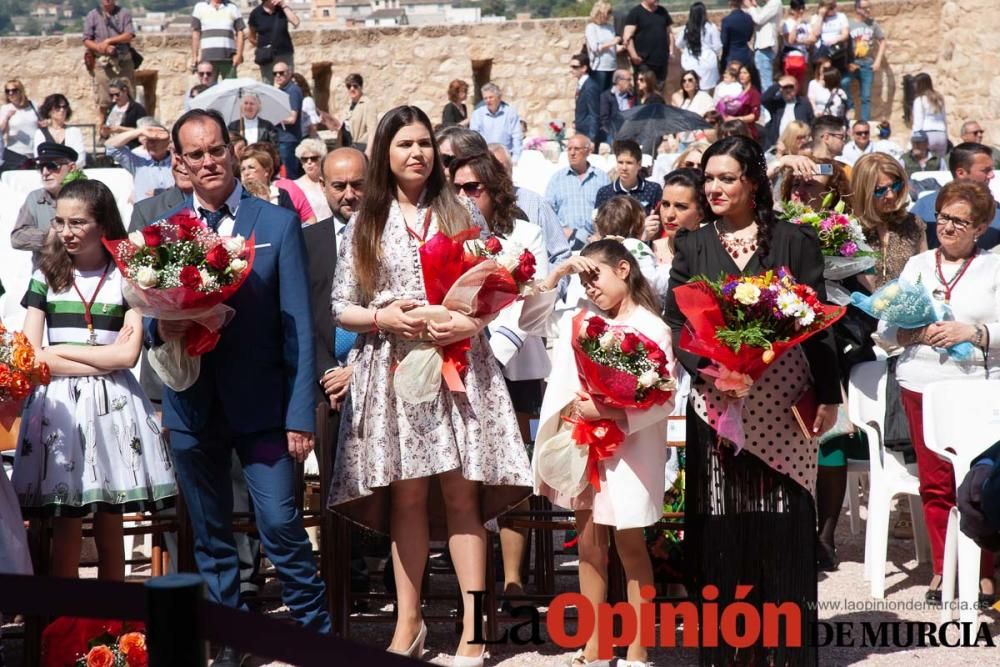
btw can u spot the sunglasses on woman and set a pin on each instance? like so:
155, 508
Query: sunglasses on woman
471, 188
883, 190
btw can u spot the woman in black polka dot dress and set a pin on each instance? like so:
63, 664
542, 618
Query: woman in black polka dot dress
749, 516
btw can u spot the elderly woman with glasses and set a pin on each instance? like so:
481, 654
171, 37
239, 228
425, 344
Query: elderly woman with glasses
310, 154
260, 164
56, 110
18, 121
967, 279
125, 112
880, 199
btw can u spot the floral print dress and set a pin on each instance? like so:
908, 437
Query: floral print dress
384, 439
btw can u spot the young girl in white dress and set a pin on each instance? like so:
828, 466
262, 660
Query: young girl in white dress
89, 442
632, 480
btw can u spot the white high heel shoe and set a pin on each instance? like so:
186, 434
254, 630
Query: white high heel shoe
416, 649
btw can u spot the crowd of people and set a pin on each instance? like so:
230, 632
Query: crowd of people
340, 208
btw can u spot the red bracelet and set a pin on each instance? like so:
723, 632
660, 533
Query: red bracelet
375, 320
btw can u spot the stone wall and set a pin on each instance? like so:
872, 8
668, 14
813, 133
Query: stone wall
954, 40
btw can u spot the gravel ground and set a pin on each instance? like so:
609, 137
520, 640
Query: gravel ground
905, 585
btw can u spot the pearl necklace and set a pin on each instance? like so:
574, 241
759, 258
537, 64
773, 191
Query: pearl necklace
735, 246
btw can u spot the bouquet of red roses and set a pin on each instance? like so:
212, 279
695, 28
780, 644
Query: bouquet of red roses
91, 642
179, 269
20, 372
742, 324
619, 367
464, 275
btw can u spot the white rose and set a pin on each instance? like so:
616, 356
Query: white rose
208, 281
747, 294
606, 340
147, 277
234, 244
137, 239
238, 265
648, 378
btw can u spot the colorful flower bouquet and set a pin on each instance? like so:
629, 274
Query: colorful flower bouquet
465, 275
90, 642
619, 367
20, 373
179, 269
845, 250
910, 306
742, 324
557, 132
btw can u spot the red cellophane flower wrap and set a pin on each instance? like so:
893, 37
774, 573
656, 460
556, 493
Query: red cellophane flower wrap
619, 367
458, 276
20, 373
178, 269
742, 324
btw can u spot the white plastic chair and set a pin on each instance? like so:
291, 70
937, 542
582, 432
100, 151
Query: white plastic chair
961, 419
888, 474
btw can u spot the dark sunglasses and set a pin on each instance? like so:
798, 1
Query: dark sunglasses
788, 87
351, 86
979, 132
51, 165
209, 73
859, 133
60, 107
281, 72
11, 91
309, 158
114, 95
447, 160
883, 190
472, 188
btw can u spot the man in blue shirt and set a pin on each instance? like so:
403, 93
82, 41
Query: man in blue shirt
573, 190
629, 181
971, 161
289, 129
152, 168
498, 121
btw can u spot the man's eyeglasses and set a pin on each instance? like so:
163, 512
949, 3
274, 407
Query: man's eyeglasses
883, 190
281, 72
960, 225
790, 87
196, 158
51, 165
341, 186
471, 188
209, 73
839, 135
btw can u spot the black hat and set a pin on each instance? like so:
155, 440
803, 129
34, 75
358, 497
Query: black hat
50, 150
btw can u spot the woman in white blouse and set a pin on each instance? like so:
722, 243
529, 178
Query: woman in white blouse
602, 44
56, 110
18, 119
700, 45
966, 280
929, 114
692, 95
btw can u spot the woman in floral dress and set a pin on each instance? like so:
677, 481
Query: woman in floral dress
427, 470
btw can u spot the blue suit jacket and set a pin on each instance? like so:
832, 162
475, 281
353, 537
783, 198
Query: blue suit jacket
262, 372
587, 118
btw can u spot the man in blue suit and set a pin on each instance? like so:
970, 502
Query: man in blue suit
256, 391
587, 118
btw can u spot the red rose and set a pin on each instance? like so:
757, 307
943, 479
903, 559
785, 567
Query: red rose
596, 326
190, 277
657, 356
493, 245
100, 656
630, 343
187, 228
526, 269
152, 235
217, 258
